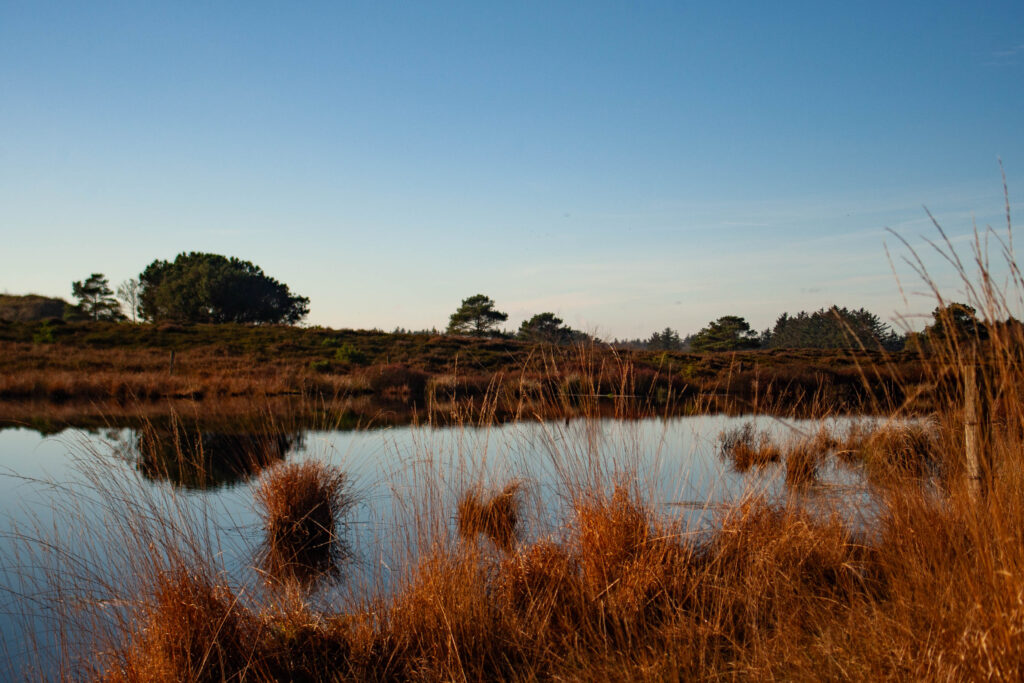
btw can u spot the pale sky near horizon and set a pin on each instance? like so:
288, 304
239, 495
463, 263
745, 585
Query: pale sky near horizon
629, 166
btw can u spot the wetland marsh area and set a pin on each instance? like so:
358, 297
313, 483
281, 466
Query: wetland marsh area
532, 341
593, 514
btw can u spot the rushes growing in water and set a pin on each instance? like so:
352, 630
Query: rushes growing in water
496, 517
746, 446
302, 505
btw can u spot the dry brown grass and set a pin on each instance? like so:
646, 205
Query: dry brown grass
302, 505
746, 446
803, 460
895, 452
193, 630
622, 592
134, 364
495, 516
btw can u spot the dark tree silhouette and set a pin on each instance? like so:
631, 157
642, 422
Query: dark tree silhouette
728, 333
666, 340
832, 328
476, 316
956, 322
546, 328
95, 299
210, 288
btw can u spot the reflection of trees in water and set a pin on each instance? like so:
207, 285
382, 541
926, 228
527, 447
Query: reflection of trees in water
193, 458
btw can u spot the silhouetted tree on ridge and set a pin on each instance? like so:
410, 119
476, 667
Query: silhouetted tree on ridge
95, 298
477, 316
728, 333
210, 288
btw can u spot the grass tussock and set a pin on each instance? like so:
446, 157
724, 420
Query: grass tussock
803, 462
302, 505
194, 629
897, 452
496, 516
746, 446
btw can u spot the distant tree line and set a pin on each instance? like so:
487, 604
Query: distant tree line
477, 316
828, 328
831, 328
199, 287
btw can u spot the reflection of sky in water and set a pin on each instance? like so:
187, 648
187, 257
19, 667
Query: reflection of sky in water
407, 481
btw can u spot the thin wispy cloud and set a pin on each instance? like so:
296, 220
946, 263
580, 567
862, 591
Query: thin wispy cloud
1006, 57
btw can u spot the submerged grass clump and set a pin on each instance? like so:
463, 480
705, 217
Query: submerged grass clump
896, 452
803, 460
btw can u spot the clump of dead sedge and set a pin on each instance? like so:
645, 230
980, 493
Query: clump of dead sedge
194, 629
302, 504
495, 516
803, 460
746, 446
904, 450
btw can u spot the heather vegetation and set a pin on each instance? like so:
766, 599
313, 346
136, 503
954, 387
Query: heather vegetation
30, 307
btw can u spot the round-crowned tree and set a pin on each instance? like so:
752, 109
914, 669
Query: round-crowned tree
476, 316
210, 288
546, 328
728, 333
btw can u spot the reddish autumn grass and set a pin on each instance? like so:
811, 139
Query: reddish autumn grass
495, 516
302, 505
746, 446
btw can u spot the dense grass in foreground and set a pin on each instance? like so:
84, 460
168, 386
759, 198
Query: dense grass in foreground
617, 589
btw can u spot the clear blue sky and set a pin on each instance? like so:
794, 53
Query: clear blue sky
629, 166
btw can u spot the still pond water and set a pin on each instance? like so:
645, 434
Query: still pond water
65, 498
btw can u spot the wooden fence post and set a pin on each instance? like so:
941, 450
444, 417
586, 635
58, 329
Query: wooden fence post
972, 427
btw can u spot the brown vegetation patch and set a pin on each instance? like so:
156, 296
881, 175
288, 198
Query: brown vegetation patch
803, 460
746, 446
302, 505
193, 630
496, 516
